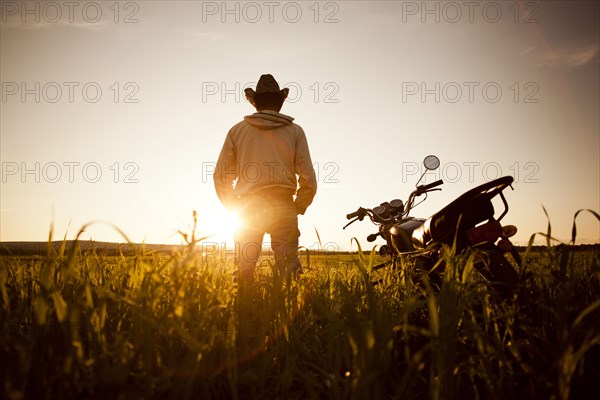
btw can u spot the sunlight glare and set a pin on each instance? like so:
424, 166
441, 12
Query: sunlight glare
219, 224
231, 223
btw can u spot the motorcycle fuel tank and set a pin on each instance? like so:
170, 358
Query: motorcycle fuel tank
402, 233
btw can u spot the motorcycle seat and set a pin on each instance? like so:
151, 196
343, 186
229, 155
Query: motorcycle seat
465, 212
457, 217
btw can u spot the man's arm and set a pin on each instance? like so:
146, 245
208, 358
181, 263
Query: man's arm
225, 173
307, 179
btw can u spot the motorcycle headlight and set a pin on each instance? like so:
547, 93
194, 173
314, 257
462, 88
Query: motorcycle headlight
509, 231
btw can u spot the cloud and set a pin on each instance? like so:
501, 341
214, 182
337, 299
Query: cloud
579, 58
565, 58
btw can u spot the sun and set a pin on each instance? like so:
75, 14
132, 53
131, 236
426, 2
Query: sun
231, 223
219, 225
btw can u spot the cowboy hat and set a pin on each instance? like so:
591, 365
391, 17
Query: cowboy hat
266, 84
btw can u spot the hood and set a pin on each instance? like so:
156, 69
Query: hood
267, 119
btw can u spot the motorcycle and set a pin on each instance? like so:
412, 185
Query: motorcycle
466, 223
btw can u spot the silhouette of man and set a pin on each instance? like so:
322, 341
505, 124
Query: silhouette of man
264, 163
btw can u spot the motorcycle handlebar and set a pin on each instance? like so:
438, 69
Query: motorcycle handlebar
363, 212
354, 214
433, 184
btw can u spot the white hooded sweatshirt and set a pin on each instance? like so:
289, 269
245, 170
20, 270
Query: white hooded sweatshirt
266, 152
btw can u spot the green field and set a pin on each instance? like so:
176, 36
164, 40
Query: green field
160, 325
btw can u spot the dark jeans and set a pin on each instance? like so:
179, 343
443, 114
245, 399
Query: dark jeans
274, 213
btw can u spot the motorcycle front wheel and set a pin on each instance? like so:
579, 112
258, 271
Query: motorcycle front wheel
499, 271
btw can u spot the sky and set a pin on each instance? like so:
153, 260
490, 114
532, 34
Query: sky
115, 112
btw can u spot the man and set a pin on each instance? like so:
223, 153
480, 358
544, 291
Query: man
264, 163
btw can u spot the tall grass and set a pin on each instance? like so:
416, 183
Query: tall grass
152, 325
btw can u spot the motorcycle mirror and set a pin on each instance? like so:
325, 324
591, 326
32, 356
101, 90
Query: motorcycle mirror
431, 162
